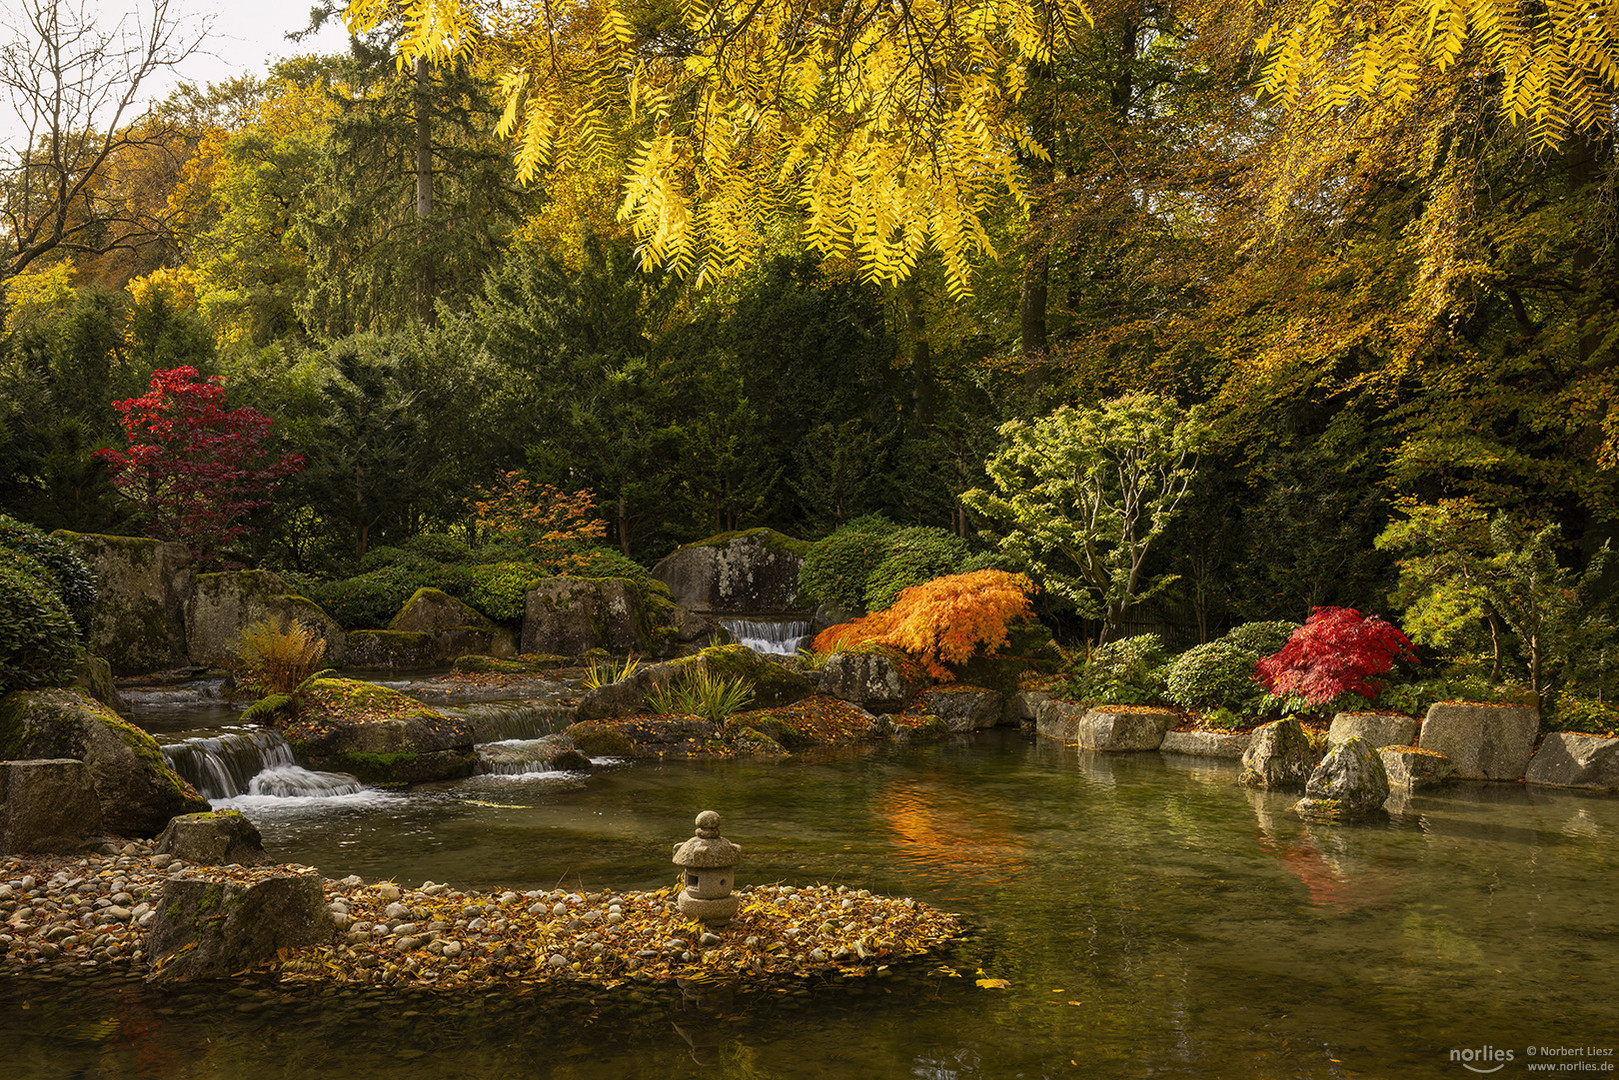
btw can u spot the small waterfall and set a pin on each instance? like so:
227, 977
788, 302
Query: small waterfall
522, 757
500, 721
251, 763
773, 637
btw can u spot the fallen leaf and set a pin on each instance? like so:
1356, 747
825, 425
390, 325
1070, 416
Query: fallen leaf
994, 984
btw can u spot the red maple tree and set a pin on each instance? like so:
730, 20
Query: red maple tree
193, 467
1337, 651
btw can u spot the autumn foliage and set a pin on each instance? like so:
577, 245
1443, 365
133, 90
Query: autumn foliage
1336, 651
194, 468
557, 524
948, 620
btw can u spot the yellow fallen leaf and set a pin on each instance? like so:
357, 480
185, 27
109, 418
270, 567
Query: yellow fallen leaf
994, 984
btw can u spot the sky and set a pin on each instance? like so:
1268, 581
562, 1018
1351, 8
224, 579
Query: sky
245, 36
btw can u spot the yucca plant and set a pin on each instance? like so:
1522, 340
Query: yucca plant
705, 694
273, 658
607, 672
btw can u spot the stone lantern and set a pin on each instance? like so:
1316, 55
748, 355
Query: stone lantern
708, 870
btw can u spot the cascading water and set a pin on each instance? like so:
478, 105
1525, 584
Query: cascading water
499, 721
773, 637
251, 763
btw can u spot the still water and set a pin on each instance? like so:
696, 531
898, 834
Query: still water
1150, 919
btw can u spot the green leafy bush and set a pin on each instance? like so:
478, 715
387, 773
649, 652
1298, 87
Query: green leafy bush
836, 568
499, 590
1414, 697
39, 643
1571, 713
374, 598
384, 556
69, 575
1216, 674
439, 548
915, 556
1129, 671
1261, 638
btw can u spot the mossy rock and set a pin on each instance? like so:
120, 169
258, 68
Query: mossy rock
389, 650
596, 738
788, 735
142, 587
138, 791
532, 664
376, 733
571, 616
750, 572
222, 605
647, 736
96, 680
429, 610
773, 683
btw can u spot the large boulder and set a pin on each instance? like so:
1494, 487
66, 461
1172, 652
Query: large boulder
222, 605
389, 650
376, 734
1280, 757
1350, 782
1572, 759
964, 708
1057, 719
43, 808
142, 587
137, 791
569, 616
772, 683
209, 929
875, 680
1120, 730
454, 628
1483, 742
645, 736
95, 679
1228, 745
1379, 729
1411, 768
752, 572
220, 837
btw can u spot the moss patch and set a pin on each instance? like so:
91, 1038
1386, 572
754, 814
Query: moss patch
770, 538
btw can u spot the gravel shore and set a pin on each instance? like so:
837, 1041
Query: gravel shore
87, 916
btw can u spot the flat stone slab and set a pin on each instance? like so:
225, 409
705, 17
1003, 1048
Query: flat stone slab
1412, 769
1211, 744
1379, 729
1102, 729
1483, 742
1570, 759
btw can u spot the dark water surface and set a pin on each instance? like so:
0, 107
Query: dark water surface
1151, 919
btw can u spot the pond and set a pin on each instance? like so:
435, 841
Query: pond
1149, 918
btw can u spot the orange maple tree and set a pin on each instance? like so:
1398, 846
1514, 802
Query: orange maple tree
554, 522
948, 620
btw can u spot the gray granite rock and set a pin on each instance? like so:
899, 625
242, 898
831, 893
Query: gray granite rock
1411, 769
1058, 719
1379, 729
142, 586
1279, 757
964, 708
43, 808
233, 926
1483, 742
751, 573
1569, 759
1350, 782
1106, 729
871, 680
1212, 744
220, 837
220, 606
1023, 707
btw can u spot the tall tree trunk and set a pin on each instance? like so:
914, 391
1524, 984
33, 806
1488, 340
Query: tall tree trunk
624, 523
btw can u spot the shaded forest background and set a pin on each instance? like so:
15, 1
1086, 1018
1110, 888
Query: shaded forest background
1388, 310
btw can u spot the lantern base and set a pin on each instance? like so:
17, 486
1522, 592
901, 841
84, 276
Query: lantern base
711, 911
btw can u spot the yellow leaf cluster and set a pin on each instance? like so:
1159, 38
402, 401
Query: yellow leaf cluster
888, 128
1558, 62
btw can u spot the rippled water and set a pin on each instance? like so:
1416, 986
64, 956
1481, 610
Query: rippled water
1150, 918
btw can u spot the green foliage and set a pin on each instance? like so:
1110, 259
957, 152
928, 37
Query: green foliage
39, 644
915, 555
439, 548
498, 589
383, 555
372, 599
837, 568
1081, 494
607, 672
71, 576
1216, 674
1261, 638
273, 658
701, 692
1414, 696
1571, 713
1129, 671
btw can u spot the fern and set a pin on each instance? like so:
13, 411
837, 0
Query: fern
272, 658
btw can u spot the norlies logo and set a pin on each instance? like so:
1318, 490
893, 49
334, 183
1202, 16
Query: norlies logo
1475, 1058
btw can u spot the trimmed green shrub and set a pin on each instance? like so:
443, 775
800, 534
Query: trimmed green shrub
383, 556
1261, 638
915, 556
836, 568
1215, 675
39, 643
71, 577
372, 599
440, 548
498, 590
1129, 671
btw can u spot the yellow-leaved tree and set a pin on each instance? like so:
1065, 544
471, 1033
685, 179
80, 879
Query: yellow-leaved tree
892, 127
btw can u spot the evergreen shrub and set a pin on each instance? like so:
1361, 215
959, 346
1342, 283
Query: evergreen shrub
39, 642
1129, 671
1215, 675
915, 555
836, 569
69, 576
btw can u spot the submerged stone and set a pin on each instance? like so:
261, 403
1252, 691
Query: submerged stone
1279, 757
